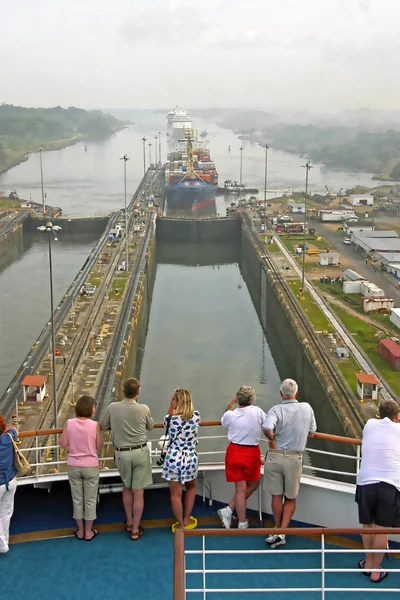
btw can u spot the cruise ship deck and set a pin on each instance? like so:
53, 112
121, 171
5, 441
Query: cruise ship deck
46, 560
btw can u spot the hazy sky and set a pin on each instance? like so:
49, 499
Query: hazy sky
295, 54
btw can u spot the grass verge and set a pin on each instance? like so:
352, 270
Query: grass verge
313, 311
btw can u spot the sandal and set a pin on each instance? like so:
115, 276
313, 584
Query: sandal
382, 576
361, 565
95, 532
137, 534
128, 528
76, 535
191, 525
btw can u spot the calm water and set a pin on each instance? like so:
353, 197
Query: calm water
24, 295
92, 182
204, 335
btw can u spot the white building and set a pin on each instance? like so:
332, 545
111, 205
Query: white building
369, 244
361, 200
395, 316
328, 259
387, 258
333, 216
352, 282
296, 207
372, 304
371, 290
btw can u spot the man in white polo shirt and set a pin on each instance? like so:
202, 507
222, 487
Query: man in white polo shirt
288, 425
378, 484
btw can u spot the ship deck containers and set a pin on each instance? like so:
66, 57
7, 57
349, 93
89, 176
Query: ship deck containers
390, 351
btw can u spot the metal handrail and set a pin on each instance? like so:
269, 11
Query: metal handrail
180, 571
318, 435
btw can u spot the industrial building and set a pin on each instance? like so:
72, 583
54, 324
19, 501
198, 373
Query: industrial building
333, 216
395, 317
384, 259
373, 245
352, 282
296, 207
361, 200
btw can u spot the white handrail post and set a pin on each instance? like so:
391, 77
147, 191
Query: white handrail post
204, 568
260, 504
37, 455
358, 459
322, 566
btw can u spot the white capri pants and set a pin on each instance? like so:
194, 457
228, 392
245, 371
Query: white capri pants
6, 511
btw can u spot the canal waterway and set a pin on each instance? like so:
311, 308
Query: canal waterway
91, 182
25, 296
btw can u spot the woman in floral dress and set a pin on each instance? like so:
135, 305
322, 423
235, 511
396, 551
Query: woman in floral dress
181, 462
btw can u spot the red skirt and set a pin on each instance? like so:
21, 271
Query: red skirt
242, 463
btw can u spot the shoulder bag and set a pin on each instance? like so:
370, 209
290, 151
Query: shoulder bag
21, 464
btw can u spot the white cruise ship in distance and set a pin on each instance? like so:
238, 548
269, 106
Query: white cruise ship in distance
178, 120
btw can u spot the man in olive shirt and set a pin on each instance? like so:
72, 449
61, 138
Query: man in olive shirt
130, 422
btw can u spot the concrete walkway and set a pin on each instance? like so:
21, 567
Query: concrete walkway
354, 349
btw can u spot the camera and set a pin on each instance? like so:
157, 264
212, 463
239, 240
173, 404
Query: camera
161, 460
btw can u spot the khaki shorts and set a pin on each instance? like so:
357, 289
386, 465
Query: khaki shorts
283, 473
134, 466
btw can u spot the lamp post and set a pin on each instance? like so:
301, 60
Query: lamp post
125, 158
144, 155
50, 229
159, 147
41, 179
149, 145
156, 146
241, 165
307, 167
265, 186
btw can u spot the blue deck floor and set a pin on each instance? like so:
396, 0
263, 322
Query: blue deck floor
112, 567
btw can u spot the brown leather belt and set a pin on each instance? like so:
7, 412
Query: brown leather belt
127, 448
285, 452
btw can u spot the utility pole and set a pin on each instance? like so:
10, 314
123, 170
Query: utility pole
51, 229
41, 180
125, 159
307, 167
144, 155
156, 146
265, 186
241, 165
149, 145
159, 147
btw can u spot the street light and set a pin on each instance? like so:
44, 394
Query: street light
265, 187
144, 154
41, 179
159, 147
307, 167
156, 146
50, 229
149, 145
125, 158
241, 165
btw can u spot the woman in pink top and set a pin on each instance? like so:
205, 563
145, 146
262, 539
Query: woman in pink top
82, 438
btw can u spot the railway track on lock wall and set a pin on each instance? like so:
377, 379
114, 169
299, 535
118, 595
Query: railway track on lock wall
327, 373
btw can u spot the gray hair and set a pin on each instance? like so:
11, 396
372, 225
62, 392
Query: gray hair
289, 388
389, 409
246, 395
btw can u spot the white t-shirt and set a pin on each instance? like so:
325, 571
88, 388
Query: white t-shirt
244, 425
380, 453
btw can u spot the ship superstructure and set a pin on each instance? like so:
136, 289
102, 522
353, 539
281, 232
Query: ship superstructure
178, 120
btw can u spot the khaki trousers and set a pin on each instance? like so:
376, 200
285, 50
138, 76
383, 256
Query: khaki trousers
84, 482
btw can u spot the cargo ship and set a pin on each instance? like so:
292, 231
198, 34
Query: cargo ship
191, 179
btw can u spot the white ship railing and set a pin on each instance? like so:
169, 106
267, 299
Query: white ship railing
183, 589
49, 460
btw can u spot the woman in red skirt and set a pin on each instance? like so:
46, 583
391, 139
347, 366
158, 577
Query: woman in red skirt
243, 456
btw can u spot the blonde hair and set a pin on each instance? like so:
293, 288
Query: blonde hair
185, 405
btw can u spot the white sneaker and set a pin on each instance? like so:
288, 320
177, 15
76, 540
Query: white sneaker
276, 540
226, 517
244, 525
4, 550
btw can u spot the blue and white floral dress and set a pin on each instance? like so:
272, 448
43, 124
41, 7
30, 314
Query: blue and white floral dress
181, 462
